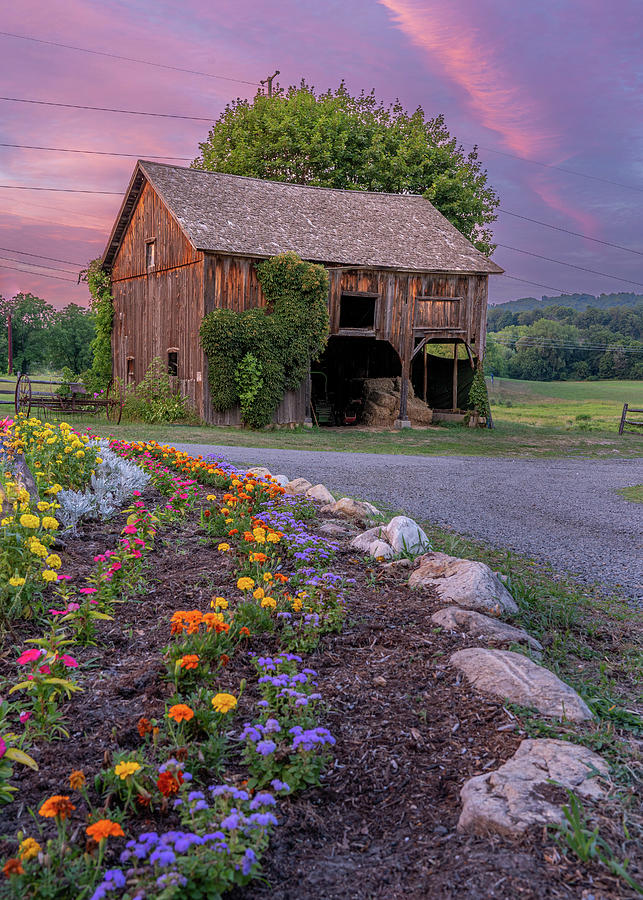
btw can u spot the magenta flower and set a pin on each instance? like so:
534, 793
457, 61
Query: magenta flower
72, 607
3, 748
129, 529
29, 656
64, 577
87, 590
136, 493
44, 670
58, 612
25, 716
69, 661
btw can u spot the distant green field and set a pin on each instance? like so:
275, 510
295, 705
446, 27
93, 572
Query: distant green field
588, 405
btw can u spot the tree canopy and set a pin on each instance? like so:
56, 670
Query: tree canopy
333, 139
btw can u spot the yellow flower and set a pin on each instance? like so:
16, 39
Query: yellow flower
274, 537
259, 594
219, 603
223, 703
210, 497
29, 848
125, 769
223, 547
297, 604
269, 602
54, 561
30, 521
7, 521
68, 450
52, 440
54, 489
267, 576
16, 581
49, 575
80, 453
43, 505
98, 459
245, 584
49, 523
229, 521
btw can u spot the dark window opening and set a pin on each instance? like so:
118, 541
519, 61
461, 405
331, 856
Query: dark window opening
130, 369
357, 311
150, 254
172, 362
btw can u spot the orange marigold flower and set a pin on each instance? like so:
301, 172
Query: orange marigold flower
57, 807
143, 799
144, 726
212, 619
282, 578
189, 661
233, 531
103, 829
13, 867
180, 712
224, 659
77, 780
245, 631
168, 784
248, 536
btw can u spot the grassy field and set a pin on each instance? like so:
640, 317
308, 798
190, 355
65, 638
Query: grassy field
532, 419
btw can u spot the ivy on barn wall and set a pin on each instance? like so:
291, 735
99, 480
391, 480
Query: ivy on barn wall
102, 304
255, 356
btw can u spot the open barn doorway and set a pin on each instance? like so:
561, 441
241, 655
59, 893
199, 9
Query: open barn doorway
338, 379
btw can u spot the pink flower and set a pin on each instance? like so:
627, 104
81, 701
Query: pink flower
3, 748
115, 567
139, 504
58, 612
44, 670
136, 554
99, 558
136, 493
28, 656
64, 577
25, 716
140, 542
130, 529
87, 590
69, 661
72, 607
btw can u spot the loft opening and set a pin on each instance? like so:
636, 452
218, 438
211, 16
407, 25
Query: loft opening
173, 361
130, 371
358, 311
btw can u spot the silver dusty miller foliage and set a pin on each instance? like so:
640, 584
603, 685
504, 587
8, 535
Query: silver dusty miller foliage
113, 483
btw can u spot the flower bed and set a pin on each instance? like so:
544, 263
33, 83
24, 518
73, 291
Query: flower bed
206, 834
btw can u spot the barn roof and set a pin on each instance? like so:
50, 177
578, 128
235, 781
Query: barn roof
252, 217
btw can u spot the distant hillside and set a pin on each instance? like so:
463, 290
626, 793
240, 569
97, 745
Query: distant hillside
571, 301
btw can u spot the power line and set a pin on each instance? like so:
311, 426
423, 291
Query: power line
128, 112
40, 275
145, 62
537, 284
552, 345
566, 230
96, 152
629, 187
26, 187
41, 256
25, 262
570, 265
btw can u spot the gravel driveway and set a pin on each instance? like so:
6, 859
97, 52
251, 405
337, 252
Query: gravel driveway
562, 512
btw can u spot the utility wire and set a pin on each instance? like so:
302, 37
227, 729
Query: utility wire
570, 265
629, 187
129, 112
26, 187
41, 256
25, 262
539, 345
566, 230
145, 62
25, 272
537, 284
97, 152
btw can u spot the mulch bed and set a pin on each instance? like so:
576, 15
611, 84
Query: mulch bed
409, 732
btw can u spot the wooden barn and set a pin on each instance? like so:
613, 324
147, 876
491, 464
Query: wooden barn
401, 276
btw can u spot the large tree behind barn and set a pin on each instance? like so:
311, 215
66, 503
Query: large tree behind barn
400, 277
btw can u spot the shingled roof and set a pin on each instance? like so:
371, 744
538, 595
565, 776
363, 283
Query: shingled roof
251, 217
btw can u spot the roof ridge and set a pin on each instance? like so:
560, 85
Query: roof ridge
295, 184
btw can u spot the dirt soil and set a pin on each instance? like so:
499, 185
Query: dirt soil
409, 732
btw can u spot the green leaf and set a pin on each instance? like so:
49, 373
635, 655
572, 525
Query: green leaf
20, 757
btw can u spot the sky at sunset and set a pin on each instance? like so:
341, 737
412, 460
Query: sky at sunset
558, 82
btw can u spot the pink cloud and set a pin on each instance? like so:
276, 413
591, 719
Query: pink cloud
469, 58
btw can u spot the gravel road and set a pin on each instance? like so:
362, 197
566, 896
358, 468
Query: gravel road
562, 512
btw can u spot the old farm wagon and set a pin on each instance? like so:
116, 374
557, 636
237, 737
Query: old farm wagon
402, 277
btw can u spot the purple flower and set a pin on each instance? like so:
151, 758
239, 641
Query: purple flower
278, 786
265, 748
249, 860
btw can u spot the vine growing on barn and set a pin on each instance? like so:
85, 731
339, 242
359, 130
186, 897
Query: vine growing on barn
255, 356
102, 304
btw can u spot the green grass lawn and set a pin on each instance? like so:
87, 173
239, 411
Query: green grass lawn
543, 419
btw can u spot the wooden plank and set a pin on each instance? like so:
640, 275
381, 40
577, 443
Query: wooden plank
455, 375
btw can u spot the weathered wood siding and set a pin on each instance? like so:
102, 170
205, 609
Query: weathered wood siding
161, 308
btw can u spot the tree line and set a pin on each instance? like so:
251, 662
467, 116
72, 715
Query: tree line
45, 338
551, 343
